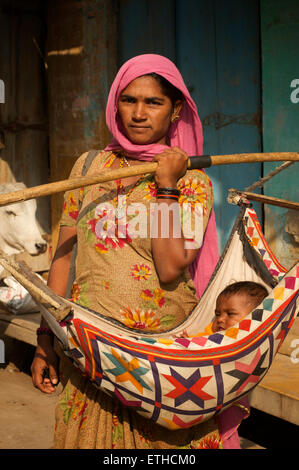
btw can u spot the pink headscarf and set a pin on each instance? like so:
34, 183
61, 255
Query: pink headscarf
185, 133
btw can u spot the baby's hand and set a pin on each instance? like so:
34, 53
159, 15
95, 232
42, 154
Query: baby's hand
184, 334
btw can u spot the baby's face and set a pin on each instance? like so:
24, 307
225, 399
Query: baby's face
230, 310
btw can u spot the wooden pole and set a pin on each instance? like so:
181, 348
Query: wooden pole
254, 158
145, 168
40, 292
274, 201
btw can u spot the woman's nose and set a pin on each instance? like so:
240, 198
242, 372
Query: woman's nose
139, 112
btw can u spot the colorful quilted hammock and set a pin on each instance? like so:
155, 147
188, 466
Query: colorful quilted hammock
179, 382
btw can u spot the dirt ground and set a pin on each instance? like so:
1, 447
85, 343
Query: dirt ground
27, 416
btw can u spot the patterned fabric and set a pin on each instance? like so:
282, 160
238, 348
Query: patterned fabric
180, 382
88, 418
257, 241
141, 301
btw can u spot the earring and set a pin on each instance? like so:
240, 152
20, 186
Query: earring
175, 118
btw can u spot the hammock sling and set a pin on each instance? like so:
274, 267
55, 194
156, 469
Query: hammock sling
179, 382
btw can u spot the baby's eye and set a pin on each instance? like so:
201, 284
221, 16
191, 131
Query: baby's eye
217, 314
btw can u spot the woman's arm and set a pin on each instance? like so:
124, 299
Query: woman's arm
59, 271
171, 257
170, 254
45, 357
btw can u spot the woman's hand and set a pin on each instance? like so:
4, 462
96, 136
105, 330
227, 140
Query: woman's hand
44, 368
172, 165
45, 359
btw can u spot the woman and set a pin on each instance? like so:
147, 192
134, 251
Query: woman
152, 117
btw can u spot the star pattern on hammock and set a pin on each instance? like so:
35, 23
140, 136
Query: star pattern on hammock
136, 404
248, 373
188, 388
127, 370
178, 423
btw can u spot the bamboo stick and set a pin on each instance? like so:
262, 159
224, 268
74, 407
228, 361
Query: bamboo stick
274, 201
254, 158
134, 170
35, 286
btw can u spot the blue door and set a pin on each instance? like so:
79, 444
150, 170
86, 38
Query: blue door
280, 38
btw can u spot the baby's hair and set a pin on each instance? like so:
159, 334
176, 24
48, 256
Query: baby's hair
255, 291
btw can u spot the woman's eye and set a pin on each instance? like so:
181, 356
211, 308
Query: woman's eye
10, 213
127, 99
155, 102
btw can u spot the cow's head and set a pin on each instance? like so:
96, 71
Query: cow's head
18, 226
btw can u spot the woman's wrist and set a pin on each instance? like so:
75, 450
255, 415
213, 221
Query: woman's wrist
167, 184
45, 340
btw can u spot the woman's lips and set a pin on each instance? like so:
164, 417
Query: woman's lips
138, 127
139, 130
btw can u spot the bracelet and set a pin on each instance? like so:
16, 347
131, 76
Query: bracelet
44, 331
168, 191
167, 196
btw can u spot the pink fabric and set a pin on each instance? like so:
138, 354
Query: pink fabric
204, 265
229, 421
185, 133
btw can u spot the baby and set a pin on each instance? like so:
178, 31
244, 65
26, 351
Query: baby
233, 304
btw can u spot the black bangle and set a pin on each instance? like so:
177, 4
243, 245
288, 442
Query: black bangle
174, 197
168, 191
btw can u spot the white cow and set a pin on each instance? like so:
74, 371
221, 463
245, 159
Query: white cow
18, 232
18, 226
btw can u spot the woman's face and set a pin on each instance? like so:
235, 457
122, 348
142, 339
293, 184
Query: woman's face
145, 112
